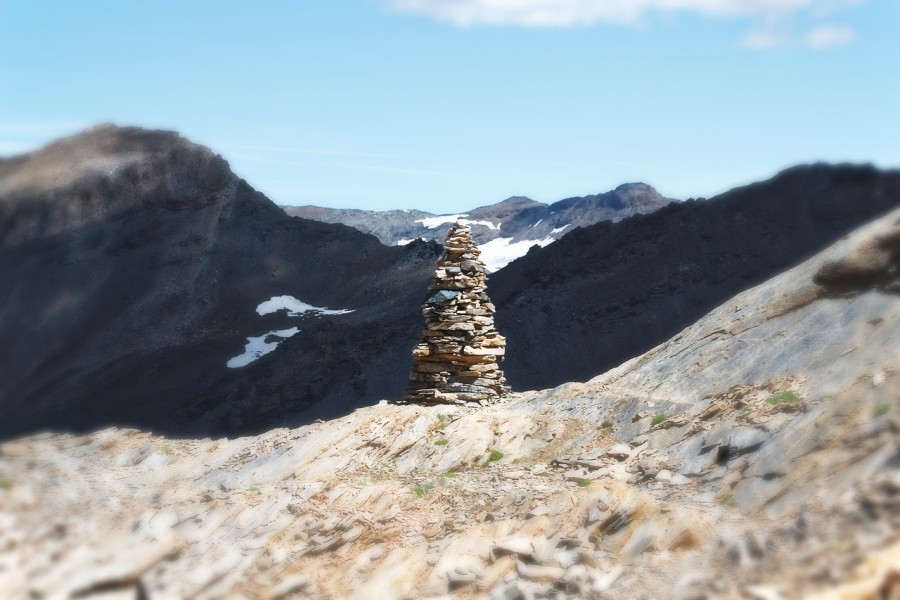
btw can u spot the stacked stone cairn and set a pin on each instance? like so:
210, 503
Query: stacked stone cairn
457, 359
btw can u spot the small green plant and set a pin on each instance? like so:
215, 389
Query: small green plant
783, 397
882, 409
744, 413
494, 456
607, 424
584, 482
728, 500
658, 418
167, 448
441, 442
442, 422
253, 489
422, 490
6, 485
449, 475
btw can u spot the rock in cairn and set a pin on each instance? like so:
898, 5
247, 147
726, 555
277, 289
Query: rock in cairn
457, 360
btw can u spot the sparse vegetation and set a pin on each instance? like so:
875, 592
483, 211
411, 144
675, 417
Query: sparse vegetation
784, 397
658, 418
584, 482
442, 422
386, 469
167, 448
449, 475
882, 409
727, 500
254, 489
441, 442
607, 424
422, 490
494, 456
6, 485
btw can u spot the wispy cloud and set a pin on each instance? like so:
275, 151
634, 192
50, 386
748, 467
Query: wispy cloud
829, 36
566, 13
819, 38
769, 16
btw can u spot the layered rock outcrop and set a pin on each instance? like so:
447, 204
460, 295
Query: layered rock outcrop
457, 359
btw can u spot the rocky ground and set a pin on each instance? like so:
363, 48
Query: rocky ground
754, 455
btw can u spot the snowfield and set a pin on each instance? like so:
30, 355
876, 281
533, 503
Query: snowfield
499, 252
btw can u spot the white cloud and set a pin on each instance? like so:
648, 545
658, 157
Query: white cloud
829, 36
565, 13
820, 38
770, 15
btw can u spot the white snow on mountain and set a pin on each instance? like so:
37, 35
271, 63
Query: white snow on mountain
260, 346
499, 252
294, 307
405, 242
487, 224
266, 343
435, 222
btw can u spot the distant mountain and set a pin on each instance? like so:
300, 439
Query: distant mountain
140, 279
611, 291
504, 231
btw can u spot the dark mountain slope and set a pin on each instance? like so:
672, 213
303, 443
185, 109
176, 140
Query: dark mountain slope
605, 293
132, 267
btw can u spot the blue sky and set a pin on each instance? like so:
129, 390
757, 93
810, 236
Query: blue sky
445, 105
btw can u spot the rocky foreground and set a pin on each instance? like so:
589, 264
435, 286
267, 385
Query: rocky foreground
754, 455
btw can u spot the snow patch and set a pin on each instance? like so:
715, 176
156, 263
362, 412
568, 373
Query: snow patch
538, 223
499, 252
264, 344
435, 222
294, 307
260, 346
558, 229
487, 224
405, 242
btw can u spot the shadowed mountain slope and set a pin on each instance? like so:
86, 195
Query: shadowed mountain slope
608, 292
133, 263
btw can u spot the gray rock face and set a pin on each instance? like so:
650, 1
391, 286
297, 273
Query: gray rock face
457, 359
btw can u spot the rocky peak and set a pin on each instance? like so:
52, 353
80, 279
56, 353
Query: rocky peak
456, 361
103, 171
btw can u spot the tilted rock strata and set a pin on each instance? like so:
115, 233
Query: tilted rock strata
457, 359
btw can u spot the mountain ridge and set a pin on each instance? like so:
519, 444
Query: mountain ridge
504, 230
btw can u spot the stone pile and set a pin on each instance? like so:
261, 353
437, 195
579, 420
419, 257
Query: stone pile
457, 359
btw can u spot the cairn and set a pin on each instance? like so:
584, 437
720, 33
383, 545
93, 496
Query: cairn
457, 359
